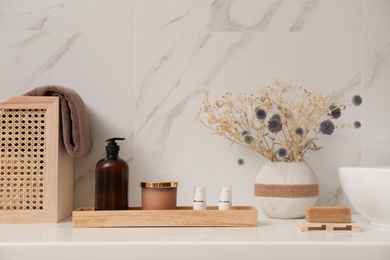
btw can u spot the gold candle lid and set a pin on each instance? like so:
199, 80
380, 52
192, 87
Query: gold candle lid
159, 184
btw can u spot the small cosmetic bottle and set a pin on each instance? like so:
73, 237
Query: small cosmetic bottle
225, 197
199, 197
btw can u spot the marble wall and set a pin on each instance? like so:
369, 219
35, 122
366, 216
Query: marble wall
141, 67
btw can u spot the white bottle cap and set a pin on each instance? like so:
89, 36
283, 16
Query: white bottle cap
225, 195
199, 194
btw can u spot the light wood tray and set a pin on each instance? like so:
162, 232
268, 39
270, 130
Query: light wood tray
238, 216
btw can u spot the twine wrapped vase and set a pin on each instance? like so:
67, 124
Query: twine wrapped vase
286, 189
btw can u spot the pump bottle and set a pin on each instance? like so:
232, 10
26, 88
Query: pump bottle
225, 197
111, 179
199, 197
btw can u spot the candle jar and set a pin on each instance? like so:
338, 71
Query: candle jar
159, 195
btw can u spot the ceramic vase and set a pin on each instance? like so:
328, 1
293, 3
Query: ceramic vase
286, 189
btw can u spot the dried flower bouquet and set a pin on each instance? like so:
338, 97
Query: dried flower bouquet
281, 123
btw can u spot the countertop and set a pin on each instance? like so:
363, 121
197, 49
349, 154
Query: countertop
271, 239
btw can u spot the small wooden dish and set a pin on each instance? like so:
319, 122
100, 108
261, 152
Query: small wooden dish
238, 216
305, 226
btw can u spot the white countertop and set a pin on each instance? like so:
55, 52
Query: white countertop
272, 239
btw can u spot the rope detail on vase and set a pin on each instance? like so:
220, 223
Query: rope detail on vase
286, 190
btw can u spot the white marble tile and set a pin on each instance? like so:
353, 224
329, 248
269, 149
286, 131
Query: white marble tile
248, 15
69, 15
99, 66
376, 15
174, 68
158, 64
376, 93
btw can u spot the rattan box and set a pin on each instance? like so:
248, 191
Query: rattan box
36, 173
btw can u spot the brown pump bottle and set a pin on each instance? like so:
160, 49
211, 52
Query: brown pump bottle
111, 180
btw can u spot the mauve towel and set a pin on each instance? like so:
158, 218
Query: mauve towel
75, 125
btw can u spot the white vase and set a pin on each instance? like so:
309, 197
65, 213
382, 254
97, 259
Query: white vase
286, 189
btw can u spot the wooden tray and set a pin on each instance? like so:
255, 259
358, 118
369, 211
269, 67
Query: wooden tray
238, 216
305, 226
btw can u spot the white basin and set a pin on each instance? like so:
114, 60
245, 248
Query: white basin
368, 191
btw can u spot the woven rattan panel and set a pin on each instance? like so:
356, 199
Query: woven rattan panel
23, 163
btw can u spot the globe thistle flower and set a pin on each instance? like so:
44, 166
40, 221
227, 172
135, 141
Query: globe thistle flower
326, 127
277, 116
281, 152
357, 100
248, 139
275, 124
240, 161
335, 112
245, 132
260, 114
299, 131
357, 124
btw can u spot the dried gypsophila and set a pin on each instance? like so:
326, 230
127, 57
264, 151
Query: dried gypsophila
276, 123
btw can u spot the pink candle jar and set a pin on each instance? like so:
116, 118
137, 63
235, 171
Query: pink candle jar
159, 195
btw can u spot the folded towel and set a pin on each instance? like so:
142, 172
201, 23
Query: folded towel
75, 126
